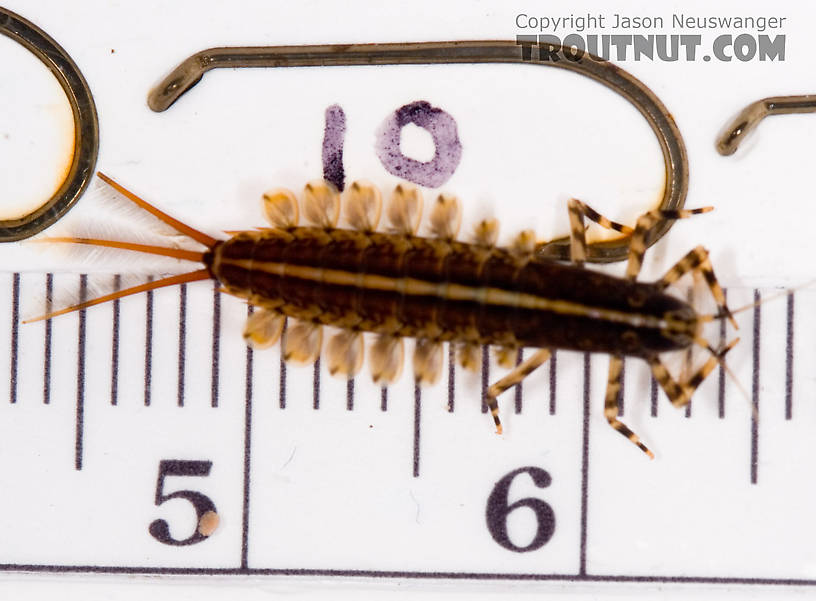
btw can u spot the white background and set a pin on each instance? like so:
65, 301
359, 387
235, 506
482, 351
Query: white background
531, 139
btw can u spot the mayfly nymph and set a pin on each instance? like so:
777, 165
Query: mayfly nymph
396, 285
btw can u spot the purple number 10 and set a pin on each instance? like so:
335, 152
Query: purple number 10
438, 123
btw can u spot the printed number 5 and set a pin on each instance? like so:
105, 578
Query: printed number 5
498, 510
206, 514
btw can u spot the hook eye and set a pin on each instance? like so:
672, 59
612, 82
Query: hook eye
86, 127
749, 117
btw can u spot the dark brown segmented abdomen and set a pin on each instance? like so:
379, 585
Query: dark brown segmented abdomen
345, 271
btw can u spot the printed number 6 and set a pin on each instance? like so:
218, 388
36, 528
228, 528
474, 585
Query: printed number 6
201, 503
498, 510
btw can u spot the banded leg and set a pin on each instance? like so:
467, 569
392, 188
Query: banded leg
578, 245
515, 377
680, 393
644, 225
697, 262
611, 407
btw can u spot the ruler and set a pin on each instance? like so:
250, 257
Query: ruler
121, 422
111, 411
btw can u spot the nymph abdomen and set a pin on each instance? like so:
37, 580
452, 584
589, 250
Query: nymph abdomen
440, 290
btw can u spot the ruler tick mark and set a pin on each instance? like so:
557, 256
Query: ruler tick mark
148, 345
585, 466
247, 452
316, 386
690, 299
15, 318
216, 345
182, 342
282, 378
451, 377
485, 375
789, 359
80, 389
721, 371
755, 390
114, 388
417, 412
553, 367
520, 385
49, 300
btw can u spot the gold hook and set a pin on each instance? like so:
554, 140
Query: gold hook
86, 127
190, 71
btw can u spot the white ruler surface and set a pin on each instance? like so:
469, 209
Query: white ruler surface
111, 410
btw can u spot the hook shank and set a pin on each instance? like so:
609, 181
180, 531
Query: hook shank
190, 71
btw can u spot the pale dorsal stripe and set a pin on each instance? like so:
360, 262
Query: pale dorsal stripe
453, 292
